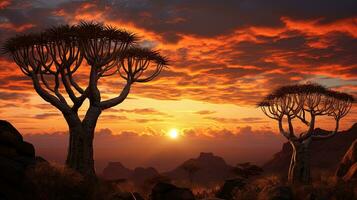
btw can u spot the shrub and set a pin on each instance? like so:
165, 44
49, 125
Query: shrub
47, 181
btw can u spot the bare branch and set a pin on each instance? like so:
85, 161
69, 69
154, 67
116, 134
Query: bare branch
117, 100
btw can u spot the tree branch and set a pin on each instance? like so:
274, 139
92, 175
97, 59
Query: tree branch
47, 96
117, 100
310, 131
287, 135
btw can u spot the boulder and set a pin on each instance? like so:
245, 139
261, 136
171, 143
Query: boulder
16, 156
347, 166
26, 149
229, 186
6, 151
9, 134
276, 193
166, 191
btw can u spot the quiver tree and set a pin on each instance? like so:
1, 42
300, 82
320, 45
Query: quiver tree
304, 103
52, 58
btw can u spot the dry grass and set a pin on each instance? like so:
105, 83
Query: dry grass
56, 182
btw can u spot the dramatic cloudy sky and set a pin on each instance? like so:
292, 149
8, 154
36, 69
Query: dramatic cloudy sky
225, 55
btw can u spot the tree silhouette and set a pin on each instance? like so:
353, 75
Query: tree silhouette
53, 57
304, 103
191, 167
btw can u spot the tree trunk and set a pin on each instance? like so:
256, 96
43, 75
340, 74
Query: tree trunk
80, 147
299, 170
80, 151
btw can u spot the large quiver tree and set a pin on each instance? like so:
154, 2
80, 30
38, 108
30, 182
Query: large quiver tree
53, 57
304, 103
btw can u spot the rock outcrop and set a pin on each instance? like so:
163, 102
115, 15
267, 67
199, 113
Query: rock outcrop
229, 186
325, 154
211, 168
140, 175
116, 171
347, 168
16, 156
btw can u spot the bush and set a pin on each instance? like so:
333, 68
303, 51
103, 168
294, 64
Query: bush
54, 182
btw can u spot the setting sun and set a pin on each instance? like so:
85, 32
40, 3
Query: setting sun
173, 133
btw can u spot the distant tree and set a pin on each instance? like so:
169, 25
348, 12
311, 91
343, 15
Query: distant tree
247, 170
191, 168
304, 103
52, 58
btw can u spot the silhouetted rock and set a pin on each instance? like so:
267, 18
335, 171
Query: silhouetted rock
116, 170
15, 157
211, 169
8, 134
276, 193
229, 186
166, 191
325, 154
348, 166
26, 149
247, 170
141, 174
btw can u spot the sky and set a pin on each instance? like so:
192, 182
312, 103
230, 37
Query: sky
224, 57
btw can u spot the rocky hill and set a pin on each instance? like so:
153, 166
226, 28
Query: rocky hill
325, 154
117, 171
210, 168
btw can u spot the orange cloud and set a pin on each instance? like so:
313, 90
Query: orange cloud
15, 28
315, 27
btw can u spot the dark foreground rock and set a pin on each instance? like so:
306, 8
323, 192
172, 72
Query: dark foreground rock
16, 156
166, 191
347, 168
229, 186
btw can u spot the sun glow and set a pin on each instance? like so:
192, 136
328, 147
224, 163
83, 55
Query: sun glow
173, 133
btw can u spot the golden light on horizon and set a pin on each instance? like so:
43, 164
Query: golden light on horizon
173, 133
